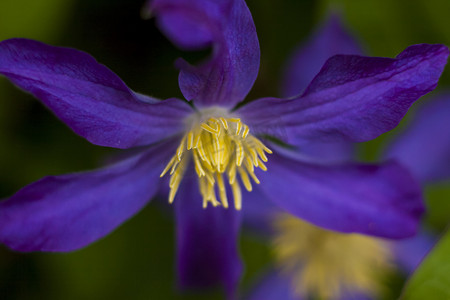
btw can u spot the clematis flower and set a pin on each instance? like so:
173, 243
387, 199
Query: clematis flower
311, 261
329, 264
212, 146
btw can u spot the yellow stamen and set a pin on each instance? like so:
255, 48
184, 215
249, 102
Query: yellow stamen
175, 179
249, 164
245, 132
245, 179
238, 127
251, 171
210, 196
222, 190
261, 165
180, 149
220, 146
198, 165
169, 165
197, 141
237, 195
239, 153
191, 140
209, 128
174, 167
323, 263
224, 122
232, 173
262, 154
255, 179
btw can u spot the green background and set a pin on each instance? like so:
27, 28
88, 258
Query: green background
137, 260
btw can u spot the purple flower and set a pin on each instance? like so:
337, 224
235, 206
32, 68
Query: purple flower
333, 265
211, 146
425, 146
311, 261
341, 266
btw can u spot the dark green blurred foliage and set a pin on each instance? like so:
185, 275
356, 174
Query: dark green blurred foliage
137, 260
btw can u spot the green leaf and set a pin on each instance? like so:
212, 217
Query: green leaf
438, 206
432, 279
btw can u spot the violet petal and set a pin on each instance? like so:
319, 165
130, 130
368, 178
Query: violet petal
207, 239
330, 39
410, 252
425, 146
273, 286
381, 200
258, 211
227, 26
278, 286
92, 100
353, 98
68, 212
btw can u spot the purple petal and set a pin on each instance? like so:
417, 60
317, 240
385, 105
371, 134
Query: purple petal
380, 200
356, 295
226, 26
207, 241
330, 39
258, 210
89, 97
425, 146
68, 212
326, 152
274, 286
410, 252
353, 98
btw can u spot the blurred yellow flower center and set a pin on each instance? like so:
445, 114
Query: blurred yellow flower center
324, 263
220, 146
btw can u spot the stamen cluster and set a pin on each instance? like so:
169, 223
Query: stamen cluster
220, 147
325, 263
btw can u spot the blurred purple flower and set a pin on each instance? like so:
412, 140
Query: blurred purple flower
352, 98
424, 149
315, 262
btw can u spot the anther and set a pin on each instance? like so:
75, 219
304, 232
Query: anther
219, 146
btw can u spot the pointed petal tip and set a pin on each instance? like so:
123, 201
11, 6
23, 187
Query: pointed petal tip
424, 48
353, 98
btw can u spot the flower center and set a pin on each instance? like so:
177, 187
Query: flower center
220, 146
325, 263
